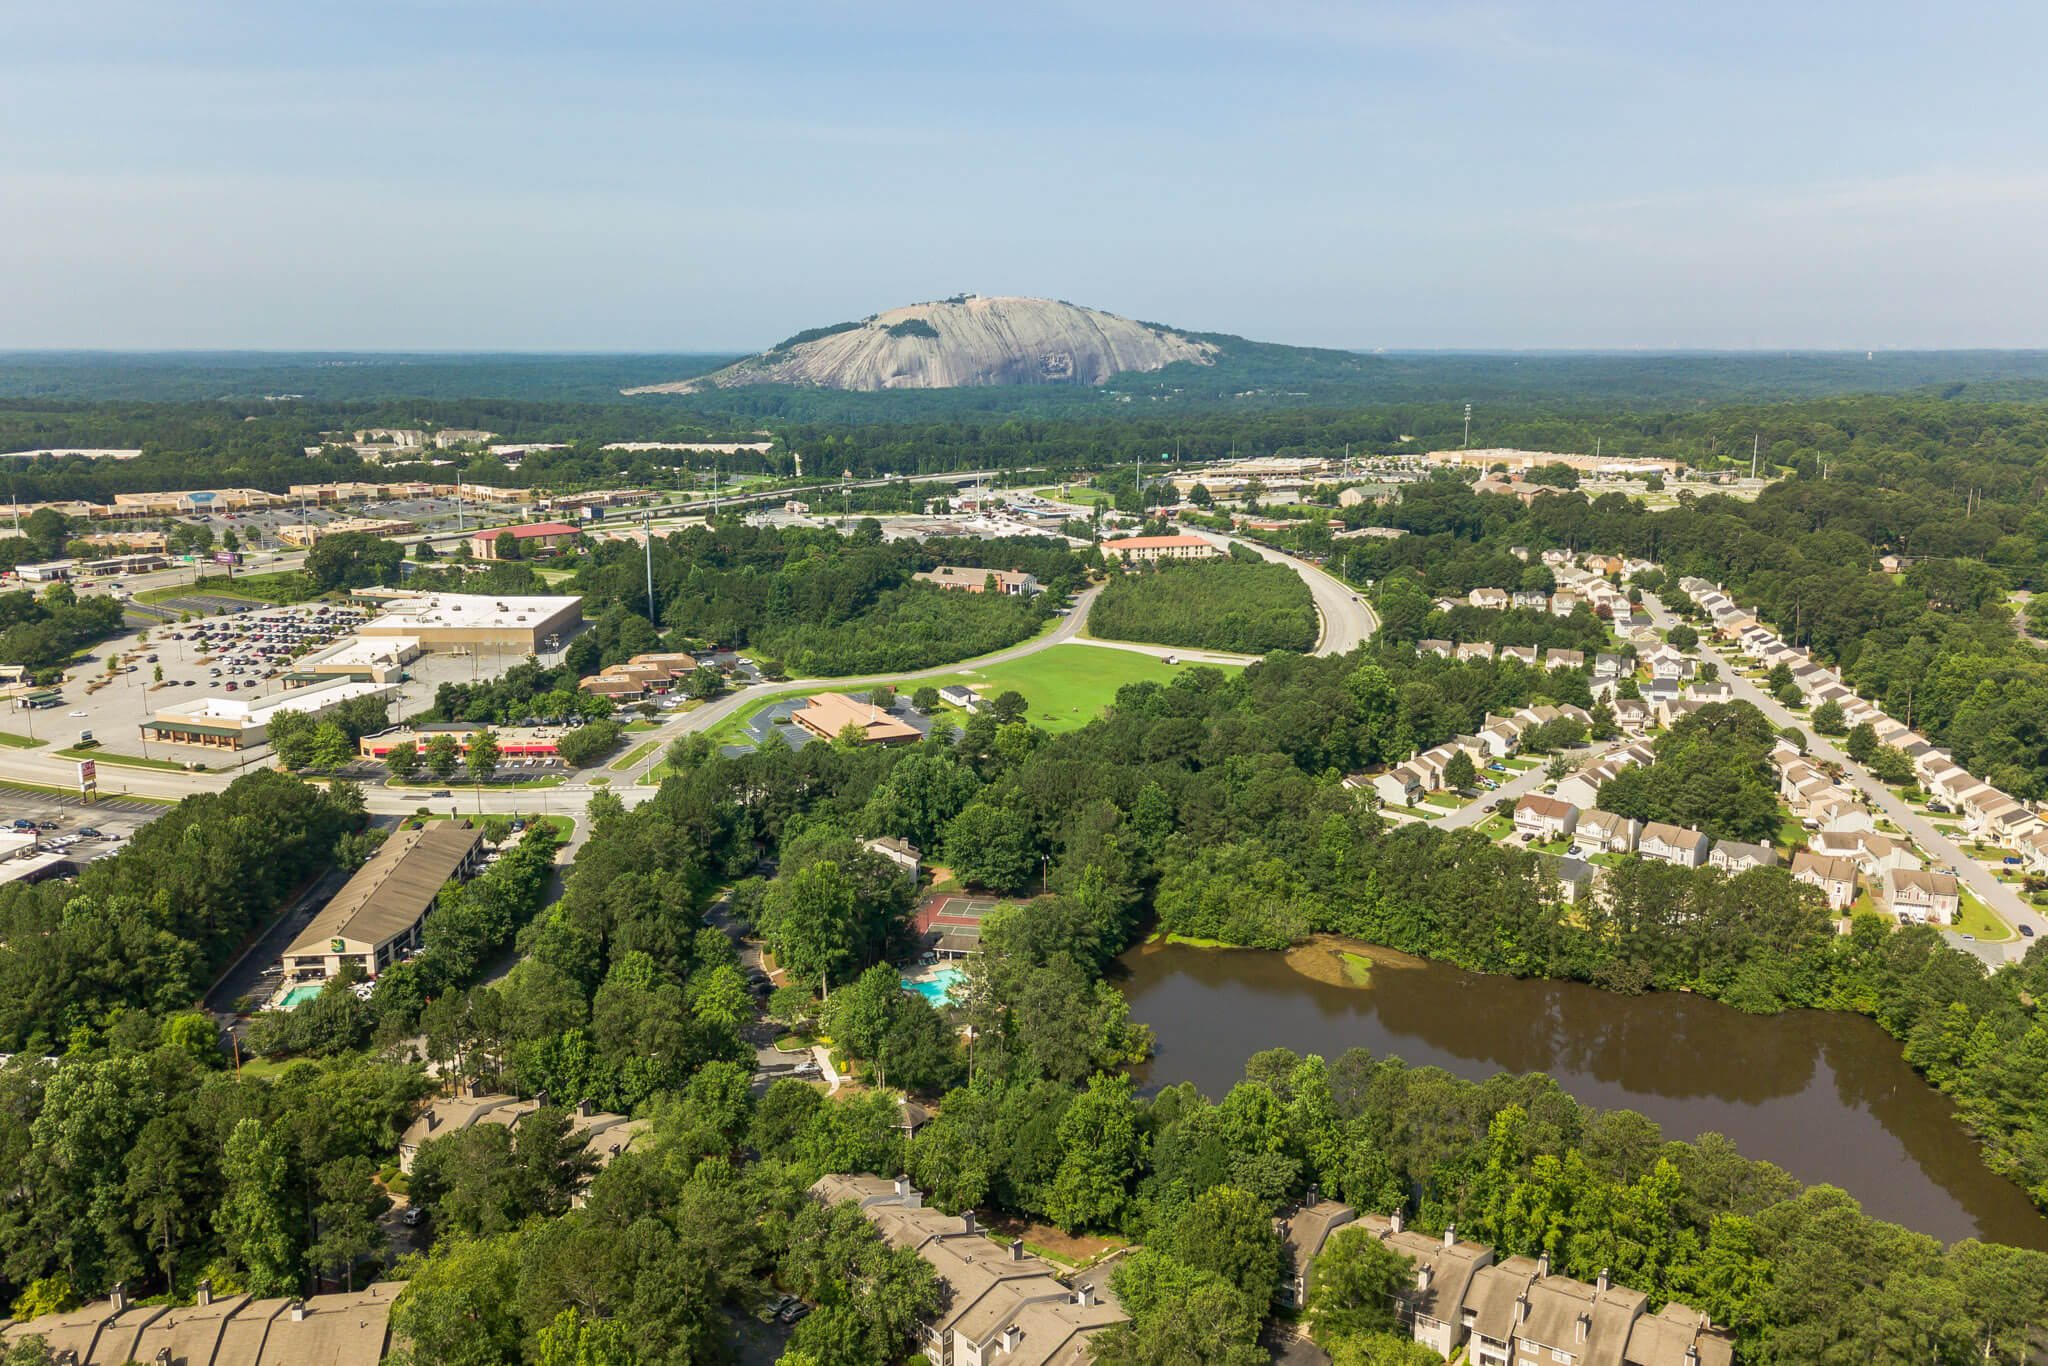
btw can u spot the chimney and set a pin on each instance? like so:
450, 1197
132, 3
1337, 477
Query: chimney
205, 1294
1315, 1194
1521, 1306
433, 1121
1422, 1278
1692, 1354
1397, 1221
1583, 1326
902, 1186
298, 1311
1011, 1335
1542, 1265
1603, 1283
1450, 1235
1085, 1296
967, 1221
119, 1296
584, 1108
1016, 1249
162, 1357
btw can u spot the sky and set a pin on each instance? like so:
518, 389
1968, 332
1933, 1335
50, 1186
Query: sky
507, 175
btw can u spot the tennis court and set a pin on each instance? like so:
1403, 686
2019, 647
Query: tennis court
951, 925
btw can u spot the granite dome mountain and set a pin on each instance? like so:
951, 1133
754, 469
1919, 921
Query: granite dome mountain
964, 342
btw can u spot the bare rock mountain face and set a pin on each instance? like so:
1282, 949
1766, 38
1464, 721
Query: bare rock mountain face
961, 343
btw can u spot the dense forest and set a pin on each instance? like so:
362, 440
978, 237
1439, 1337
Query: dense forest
141, 1155
1951, 444
42, 630
1228, 604
140, 935
815, 601
1254, 374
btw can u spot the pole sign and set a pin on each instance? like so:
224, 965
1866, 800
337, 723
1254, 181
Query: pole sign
88, 777
226, 557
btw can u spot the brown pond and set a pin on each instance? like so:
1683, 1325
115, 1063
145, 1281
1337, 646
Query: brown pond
1822, 1094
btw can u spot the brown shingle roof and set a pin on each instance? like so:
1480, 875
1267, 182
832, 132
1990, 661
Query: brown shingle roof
390, 893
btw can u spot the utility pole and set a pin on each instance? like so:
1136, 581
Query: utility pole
648, 524
1468, 426
1756, 445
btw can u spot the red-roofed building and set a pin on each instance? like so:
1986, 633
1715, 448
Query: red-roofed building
1161, 548
535, 538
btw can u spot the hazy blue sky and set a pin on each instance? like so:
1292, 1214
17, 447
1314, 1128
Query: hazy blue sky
682, 176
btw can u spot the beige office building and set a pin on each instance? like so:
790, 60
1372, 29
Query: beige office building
444, 621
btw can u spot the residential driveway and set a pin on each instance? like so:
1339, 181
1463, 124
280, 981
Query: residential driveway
1938, 848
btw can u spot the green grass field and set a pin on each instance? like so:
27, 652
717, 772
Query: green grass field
122, 760
1067, 685
20, 741
635, 755
1978, 919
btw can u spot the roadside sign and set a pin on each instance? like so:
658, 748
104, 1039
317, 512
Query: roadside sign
88, 777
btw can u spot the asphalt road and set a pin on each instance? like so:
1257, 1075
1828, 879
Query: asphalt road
1939, 848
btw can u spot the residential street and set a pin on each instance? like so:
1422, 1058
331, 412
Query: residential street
1517, 786
1938, 848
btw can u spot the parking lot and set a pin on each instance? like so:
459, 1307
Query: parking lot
69, 825
239, 654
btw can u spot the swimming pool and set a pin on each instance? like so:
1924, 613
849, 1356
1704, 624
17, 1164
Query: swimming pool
935, 987
298, 996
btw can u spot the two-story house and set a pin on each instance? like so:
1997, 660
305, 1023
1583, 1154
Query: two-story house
1542, 819
1604, 832
1837, 878
1922, 898
1673, 844
1734, 856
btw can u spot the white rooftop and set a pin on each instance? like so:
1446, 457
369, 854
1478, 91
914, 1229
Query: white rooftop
479, 610
247, 712
358, 650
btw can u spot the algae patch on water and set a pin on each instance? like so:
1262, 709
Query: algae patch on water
1343, 962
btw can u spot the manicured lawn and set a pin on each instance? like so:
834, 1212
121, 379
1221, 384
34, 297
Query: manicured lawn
1075, 494
1520, 765
122, 760
1068, 685
209, 587
642, 725
1449, 800
524, 785
1496, 827
20, 741
1791, 834
1978, 919
636, 755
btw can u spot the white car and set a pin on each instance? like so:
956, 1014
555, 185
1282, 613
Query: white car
81, 713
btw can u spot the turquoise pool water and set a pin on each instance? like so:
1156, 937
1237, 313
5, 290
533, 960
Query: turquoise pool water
936, 987
298, 996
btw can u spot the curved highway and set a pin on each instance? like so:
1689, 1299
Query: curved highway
1347, 622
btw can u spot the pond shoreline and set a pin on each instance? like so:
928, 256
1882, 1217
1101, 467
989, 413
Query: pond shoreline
1826, 1095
